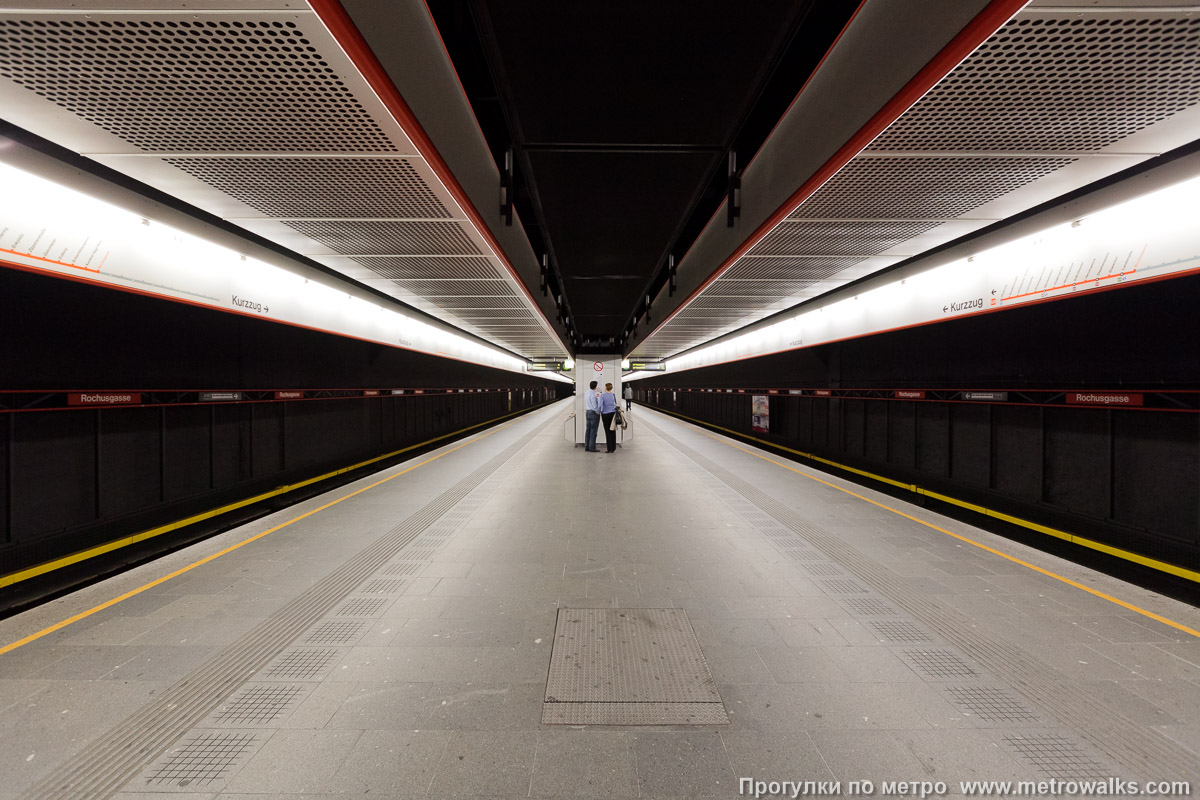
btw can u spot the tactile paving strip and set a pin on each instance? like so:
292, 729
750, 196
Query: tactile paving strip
200, 761
382, 587
869, 607
990, 704
363, 607
335, 632
842, 586
1056, 756
302, 663
626, 667
258, 704
400, 568
900, 631
940, 664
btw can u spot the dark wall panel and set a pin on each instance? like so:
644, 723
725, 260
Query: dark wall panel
1077, 460
820, 424
266, 438
970, 444
229, 455
54, 472
933, 439
130, 458
1156, 465
833, 424
187, 455
5, 487
902, 435
876, 432
1017, 452
854, 426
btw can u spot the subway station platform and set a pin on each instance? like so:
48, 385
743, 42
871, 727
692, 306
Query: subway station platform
509, 616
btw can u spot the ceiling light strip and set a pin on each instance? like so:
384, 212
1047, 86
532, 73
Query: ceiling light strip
348, 37
982, 27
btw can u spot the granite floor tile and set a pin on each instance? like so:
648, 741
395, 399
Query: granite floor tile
86, 662
113, 630
968, 755
300, 761
486, 763
683, 763
810, 706
391, 763
441, 706
775, 757
162, 663
584, 763
876, 756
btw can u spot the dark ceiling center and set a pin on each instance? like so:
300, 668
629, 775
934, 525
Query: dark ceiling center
621, 118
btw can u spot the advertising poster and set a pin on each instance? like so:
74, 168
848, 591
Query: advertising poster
760, 410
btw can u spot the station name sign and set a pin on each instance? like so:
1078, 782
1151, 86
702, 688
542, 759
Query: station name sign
909, 394
1105, 398
104, 398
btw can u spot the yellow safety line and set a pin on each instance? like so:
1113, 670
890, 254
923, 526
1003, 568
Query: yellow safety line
1014, 559
84, 614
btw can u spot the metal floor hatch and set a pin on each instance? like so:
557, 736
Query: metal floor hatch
629, 666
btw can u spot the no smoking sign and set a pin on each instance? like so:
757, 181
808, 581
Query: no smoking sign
598, 366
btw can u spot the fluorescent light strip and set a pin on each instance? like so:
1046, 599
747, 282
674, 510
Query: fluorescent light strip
56, 229
1150, 237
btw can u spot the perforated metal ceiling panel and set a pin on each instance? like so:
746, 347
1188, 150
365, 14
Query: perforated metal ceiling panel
838, 238
1077, 82
804, 268
257, 115
400, 267
1053, 100
356, 187
188, 83
922, 187
388, 237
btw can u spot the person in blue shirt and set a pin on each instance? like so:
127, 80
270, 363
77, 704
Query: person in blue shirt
608, 409
591, 402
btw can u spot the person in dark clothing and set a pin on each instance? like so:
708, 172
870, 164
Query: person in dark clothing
592, 417
608, 410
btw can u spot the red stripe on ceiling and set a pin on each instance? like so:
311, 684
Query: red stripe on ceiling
968, 39
342, 28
